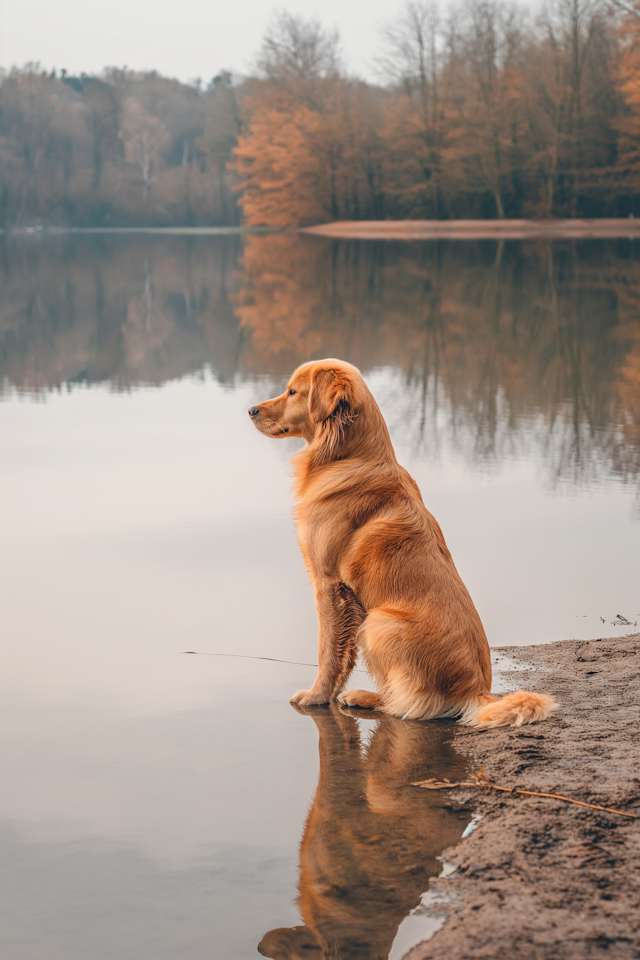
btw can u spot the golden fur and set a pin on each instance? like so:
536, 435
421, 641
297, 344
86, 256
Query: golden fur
385, 584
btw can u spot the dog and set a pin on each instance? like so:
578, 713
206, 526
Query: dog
370, 843
385, 583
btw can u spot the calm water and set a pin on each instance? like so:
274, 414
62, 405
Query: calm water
158, 804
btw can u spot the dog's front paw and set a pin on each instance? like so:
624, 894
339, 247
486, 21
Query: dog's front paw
306, 698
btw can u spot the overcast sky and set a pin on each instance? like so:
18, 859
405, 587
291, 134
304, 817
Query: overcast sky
186, 39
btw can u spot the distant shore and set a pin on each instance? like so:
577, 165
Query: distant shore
621, 227
477, 229
38, 231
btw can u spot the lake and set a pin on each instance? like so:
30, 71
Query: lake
159, 803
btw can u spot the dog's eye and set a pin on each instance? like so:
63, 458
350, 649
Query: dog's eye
292, 393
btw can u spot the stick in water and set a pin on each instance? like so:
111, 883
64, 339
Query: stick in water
248, 656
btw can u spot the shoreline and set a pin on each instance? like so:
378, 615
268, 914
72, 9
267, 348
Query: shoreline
585, 229
477, 229
541, 878
42, 231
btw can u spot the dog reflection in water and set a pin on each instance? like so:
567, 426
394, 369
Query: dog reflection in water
371, 840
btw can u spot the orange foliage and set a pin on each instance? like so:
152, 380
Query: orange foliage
499, 116
284, 179
630, 88
498, 120
308, 159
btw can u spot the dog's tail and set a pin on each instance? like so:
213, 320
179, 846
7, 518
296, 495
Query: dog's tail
512, 710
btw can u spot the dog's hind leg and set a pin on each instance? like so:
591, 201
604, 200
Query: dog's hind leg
366, 699
387, 639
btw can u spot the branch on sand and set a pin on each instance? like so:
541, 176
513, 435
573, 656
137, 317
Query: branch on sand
480, 780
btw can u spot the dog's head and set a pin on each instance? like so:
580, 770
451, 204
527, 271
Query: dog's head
322, 403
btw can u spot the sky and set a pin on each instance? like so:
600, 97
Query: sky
193, 38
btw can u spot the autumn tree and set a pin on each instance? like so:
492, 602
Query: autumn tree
575, 43
628, 168
278, 155
413, 117
310, 146
283, 179
485, 105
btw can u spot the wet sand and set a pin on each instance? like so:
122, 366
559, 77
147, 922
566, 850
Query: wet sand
542, 878
477, 229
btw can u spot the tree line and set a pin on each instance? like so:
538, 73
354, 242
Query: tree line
489, 109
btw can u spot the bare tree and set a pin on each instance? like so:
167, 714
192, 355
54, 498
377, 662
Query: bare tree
412, 62
627, 6
144, 137
571, 26
298, 49
485, 98
297, 55
222, 126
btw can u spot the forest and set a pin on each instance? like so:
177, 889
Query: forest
481, 110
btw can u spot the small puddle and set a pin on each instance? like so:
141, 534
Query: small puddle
503, 666
371, 842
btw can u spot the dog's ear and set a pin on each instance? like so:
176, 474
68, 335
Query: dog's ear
332, 409
329, 389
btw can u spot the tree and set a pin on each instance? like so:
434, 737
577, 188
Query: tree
222, 126
296, 53
629, 123
284, 183
101, 109
144, 136
484, 109
413, 127
310, 143
577, 21
44, 136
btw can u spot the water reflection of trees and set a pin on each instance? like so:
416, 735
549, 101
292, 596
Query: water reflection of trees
496, 348
126, 312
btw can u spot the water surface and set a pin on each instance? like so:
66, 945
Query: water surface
161, 804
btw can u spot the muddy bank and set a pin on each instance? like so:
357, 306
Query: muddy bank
542, 878
477, 229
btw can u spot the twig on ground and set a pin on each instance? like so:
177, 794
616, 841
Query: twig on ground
480, 780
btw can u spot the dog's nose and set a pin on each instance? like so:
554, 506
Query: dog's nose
254, 411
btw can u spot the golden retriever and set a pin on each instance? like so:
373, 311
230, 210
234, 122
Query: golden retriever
371, 843
385, 584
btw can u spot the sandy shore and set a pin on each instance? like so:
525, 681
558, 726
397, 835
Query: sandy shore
542, 878
476, 229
